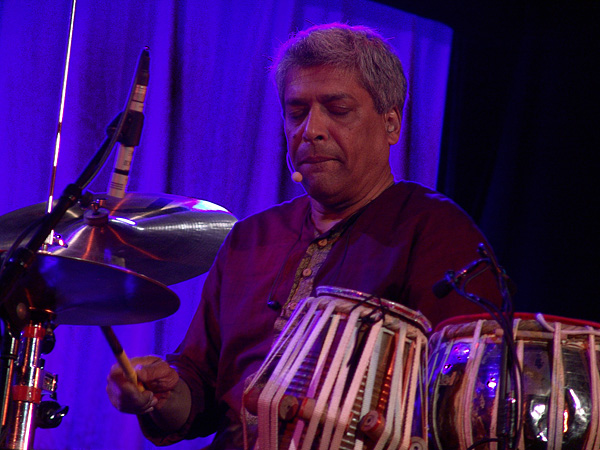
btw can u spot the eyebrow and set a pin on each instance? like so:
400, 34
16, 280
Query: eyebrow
326, 98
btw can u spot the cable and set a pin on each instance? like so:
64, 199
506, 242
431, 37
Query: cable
504, 320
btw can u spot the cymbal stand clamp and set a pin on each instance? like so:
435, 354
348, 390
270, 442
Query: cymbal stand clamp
30, 380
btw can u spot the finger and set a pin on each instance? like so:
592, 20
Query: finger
128, 370
158, 379
126, 398
150, 407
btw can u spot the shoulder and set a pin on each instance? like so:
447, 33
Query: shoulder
281, 219
419, 198
411, 202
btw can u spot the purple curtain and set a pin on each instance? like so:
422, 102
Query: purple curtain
212, 131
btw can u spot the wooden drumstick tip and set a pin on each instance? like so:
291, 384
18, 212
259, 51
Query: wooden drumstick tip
121, 356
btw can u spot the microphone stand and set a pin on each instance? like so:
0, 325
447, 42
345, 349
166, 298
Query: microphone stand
505, 422
20, 314
505, 409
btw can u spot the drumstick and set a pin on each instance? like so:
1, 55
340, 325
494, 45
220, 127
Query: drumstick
119, 353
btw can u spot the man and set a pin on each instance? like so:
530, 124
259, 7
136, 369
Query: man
342, 91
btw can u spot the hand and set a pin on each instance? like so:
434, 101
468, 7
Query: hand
154, 374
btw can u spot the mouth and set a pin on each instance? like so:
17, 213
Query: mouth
315, 159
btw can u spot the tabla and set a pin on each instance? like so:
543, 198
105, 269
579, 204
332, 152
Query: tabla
345, 373
560, 401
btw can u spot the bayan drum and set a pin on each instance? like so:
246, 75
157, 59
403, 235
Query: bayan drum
347, 372
560, 399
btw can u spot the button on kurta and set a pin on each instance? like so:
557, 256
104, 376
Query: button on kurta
307, 272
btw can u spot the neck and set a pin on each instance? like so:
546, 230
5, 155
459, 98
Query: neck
324, 217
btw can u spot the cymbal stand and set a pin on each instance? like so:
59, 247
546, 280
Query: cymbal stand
10, 345
19, 312
30, 381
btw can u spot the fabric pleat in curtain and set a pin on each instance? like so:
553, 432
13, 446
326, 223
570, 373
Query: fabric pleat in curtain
212, 131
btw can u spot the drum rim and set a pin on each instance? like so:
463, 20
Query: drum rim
413, 316
457, 320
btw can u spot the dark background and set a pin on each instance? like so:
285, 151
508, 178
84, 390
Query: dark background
520, 141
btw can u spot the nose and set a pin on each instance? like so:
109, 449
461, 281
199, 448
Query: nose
315, 128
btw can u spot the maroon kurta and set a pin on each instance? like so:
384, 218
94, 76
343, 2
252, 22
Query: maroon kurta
396, 248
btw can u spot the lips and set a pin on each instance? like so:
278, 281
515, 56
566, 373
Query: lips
316, 159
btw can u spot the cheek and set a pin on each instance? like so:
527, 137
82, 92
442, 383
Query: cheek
292, 137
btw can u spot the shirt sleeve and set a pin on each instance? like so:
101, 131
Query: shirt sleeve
196, 360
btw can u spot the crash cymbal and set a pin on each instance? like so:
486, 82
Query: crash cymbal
165, 237
89, 293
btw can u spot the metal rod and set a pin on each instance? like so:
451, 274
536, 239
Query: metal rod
25, 392
60, 117
10, 345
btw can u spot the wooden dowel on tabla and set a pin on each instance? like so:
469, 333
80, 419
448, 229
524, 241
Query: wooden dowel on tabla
122, 358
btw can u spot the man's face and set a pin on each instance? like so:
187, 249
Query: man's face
335, 137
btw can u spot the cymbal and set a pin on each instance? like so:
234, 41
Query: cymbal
165, 237
83, 292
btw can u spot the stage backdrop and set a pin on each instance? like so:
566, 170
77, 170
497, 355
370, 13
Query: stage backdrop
212, 131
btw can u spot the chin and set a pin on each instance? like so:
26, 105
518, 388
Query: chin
327, 187
325, 195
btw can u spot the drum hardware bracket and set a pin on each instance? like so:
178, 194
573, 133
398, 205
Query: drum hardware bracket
30, 383
50, 414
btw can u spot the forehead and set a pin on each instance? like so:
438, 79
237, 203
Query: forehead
305, 82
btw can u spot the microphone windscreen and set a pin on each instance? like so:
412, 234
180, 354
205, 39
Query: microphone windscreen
441, 288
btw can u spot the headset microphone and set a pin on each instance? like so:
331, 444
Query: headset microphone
296, 176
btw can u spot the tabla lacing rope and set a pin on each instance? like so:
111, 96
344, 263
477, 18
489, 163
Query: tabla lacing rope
466, 405
320, 370
595, 386
395, 413
338, 371
269, 427
371, 379
555, 414
367, 321
280, 343
357, 378
542, 320
294, 364
414, 378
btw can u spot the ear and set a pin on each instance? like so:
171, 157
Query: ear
393, 121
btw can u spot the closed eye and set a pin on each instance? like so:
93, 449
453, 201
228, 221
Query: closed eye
295, 112
338, 110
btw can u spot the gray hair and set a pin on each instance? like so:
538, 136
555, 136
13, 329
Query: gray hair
353, 48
